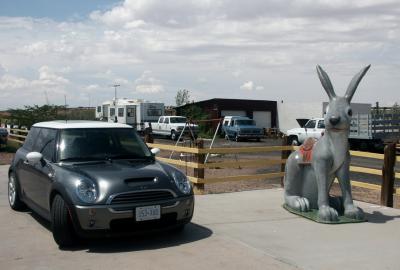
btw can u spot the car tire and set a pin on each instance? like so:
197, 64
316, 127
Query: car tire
173, 135
61, 223
14, 194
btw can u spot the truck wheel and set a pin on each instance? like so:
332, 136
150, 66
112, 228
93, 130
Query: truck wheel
61, 223
13, 194
293, 140
173, 135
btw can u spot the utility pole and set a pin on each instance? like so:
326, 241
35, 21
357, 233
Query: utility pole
115, 101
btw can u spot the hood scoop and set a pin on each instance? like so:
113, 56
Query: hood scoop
141, 180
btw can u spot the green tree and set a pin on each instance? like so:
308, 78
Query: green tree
182, 97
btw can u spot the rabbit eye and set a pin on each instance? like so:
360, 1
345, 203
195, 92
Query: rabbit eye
350, 112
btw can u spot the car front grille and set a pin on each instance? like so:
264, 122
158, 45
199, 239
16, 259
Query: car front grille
250, 131
141, 197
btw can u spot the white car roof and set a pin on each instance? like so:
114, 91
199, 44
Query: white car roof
62, 124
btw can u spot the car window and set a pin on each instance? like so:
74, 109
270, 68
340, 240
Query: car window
321, 124
226, 122
161, 120
31, 139
46, 142
120, 112
101, 143
310, 124
244, 122
177, 120
166, 120
232, 123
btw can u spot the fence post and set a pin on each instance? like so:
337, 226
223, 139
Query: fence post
148, 134
284, 155
199, 173
387, 188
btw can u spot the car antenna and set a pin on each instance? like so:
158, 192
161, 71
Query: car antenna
65, 108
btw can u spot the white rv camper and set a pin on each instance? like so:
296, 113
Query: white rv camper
135, 112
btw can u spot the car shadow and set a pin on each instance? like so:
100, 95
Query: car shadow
192, 233
378, 217
149, 241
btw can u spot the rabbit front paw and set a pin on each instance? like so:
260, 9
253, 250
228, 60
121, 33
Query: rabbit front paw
326, 213
354, 212
301, 204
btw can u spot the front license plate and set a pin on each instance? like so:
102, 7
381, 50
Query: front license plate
148, 213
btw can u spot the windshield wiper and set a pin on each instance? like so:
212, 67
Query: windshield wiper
128, 156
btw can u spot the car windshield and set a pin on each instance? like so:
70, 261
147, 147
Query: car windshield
101, 143
178, 120
244, 122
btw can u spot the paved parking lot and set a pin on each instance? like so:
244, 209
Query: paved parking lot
243, 230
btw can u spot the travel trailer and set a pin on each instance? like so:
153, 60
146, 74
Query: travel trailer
135, 112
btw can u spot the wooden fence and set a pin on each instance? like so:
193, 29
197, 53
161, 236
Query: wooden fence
199, 166
387, 173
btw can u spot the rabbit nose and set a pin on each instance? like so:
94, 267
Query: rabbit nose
334, 120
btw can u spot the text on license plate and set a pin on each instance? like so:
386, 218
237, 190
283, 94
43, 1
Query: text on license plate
148, 213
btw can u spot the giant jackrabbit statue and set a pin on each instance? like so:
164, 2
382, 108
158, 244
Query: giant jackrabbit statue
307, 182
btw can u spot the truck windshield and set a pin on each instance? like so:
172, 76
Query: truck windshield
310, 124
101, 143
178, 120
244, 122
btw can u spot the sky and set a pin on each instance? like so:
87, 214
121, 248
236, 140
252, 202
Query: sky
254, 49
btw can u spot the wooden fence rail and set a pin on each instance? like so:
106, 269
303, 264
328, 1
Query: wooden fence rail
387, 188
199, 165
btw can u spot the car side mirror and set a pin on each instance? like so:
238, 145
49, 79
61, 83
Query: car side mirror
155, 151
34, 157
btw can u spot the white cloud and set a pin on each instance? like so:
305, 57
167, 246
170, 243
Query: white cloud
247, 86
146, 83
48, 78
223, 41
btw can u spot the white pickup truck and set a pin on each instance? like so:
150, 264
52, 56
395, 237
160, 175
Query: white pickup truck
315, 128
172, 126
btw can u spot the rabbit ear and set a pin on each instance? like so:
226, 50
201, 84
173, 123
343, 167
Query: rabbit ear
354, 83
326, 82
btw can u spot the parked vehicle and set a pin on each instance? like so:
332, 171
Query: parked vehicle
93, 178
314, 128
369, 130
135, 112
172, 127
240, 127
3, 136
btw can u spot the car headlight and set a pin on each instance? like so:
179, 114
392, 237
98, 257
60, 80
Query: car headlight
86, 190
181, 182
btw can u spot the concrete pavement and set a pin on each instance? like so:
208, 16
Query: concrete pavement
244, 230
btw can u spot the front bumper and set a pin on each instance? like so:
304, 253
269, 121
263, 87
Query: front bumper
121, 218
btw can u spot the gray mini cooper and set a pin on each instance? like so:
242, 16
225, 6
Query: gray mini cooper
94, 178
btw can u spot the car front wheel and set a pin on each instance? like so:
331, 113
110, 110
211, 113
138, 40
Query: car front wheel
61, 223
13, 194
